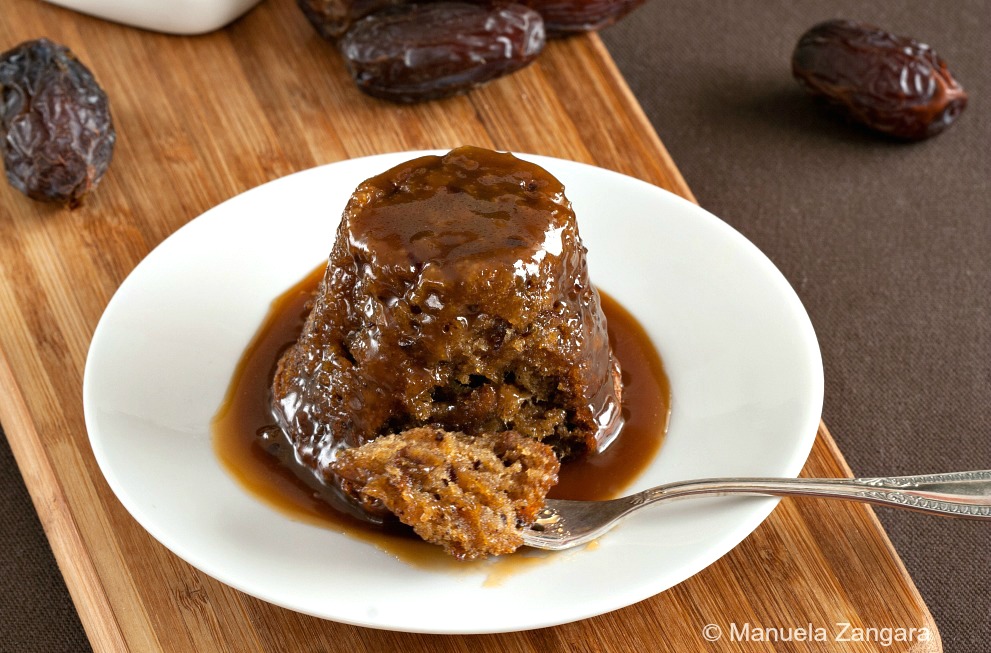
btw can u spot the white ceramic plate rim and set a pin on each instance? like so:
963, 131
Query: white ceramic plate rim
128, 422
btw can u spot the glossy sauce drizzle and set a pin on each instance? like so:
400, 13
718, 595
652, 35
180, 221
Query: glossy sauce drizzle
245, 413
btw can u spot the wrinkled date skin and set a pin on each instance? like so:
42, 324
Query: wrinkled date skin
420, 52
57, 134
565, 17
332, 18
892, 84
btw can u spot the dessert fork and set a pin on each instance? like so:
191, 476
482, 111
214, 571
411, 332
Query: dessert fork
563, 524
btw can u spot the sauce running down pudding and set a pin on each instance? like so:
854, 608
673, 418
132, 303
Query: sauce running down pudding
245, 436
457, 298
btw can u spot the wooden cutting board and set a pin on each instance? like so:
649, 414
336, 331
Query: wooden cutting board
201, 119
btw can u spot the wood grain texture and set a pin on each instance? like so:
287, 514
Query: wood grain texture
201, 119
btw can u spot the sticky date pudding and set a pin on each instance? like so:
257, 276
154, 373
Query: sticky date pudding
456, 299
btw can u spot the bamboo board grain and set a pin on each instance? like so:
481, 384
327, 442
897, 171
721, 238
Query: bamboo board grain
201, 119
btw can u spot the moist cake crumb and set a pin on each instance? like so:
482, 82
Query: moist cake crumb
471, 494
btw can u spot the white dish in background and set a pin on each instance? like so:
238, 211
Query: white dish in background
740, 352
171, 17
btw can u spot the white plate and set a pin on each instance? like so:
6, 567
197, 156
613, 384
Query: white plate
740, 352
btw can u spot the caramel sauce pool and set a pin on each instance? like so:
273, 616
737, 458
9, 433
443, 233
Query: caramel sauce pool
245, 412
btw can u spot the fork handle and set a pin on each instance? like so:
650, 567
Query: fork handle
957, 494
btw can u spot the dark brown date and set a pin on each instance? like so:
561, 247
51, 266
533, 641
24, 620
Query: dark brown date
58, 137
420, 52
332, 18
564, 17
890, 83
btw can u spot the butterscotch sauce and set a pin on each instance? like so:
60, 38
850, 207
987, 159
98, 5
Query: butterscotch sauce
457, 295
245, 414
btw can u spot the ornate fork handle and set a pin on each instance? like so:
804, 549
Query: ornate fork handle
959, 494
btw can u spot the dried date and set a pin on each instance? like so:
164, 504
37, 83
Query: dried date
332, 18
893, 84
564, 17
420, 52
58, 136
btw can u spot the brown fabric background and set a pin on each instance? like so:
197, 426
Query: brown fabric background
888, 245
